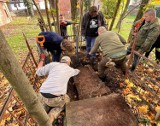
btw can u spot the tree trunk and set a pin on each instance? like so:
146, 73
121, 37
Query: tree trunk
114, 16
139, 15
40, 15
47, 14
20, 83
52, 8
140, 12
29, 6
57, 16
73, 9
74, 14
122, 15
87, 5
52, 3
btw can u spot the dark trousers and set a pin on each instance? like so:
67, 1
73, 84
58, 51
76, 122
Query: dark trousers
56, 55
156, 45
135, 62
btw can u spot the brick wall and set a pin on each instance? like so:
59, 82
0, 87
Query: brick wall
65, 8
4, 14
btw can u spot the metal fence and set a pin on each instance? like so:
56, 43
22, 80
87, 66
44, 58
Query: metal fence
13, 111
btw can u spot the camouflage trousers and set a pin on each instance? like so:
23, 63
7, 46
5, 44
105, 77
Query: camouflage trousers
57, 104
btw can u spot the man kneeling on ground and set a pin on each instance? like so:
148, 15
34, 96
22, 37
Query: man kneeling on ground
112, 45
53, 90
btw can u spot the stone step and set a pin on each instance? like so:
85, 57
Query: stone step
110, 110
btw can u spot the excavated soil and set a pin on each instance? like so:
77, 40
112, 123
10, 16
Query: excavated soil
114, 78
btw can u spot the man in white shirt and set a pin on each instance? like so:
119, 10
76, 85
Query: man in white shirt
53, 90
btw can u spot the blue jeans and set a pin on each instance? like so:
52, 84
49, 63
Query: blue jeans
89, 44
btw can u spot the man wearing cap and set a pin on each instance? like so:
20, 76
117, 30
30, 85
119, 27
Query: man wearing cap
53, 43
113, 49
90, 23
53, 90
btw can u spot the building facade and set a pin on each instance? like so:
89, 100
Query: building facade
5, 16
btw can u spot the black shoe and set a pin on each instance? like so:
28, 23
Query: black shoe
103, 78
132, 68
128, 51
157, 61
124, 72
158, 78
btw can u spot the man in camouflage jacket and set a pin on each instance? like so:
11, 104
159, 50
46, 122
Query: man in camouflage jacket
146, 35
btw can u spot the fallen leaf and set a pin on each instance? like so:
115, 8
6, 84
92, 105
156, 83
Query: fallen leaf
143, 109
157, 108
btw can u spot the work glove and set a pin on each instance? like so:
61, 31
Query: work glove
42, 57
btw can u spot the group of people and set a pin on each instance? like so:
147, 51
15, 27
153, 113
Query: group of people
53, 92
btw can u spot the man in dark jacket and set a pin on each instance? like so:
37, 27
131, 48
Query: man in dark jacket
63, 26
90, 23
156, 45
147, 34
53, 43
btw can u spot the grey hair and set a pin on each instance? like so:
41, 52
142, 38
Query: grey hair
102, 29
151, 11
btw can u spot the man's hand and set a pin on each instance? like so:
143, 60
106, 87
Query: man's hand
83, 38
89, 53
42, 57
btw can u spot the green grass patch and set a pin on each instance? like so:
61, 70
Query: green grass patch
13, 31
14, 36
126, 26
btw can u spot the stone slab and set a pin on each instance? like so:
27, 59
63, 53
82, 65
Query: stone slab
108, 110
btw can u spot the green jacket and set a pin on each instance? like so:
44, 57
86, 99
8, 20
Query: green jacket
111, 43
147, 35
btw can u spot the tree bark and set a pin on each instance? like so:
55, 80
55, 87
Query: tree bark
140, 12
114, 16
11, 69
47, 14
29, 6
74, 14
57, 16
122, 15
52, 3
52, 8
139, 15
40, 15
87, 5
73, 9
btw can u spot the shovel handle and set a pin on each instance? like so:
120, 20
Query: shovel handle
40, 42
